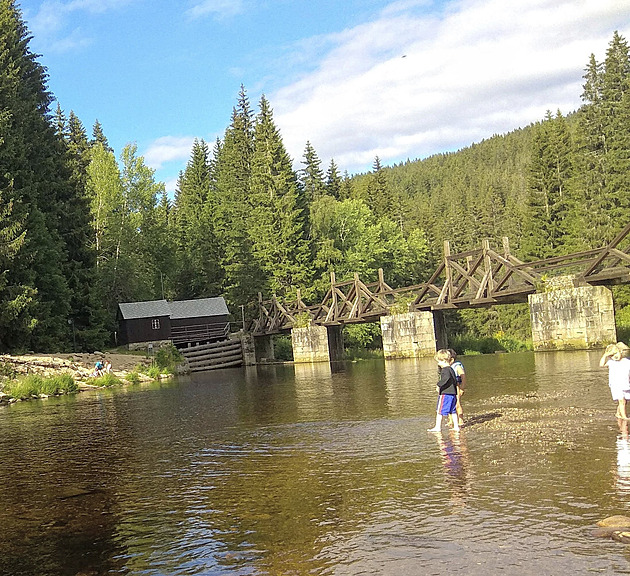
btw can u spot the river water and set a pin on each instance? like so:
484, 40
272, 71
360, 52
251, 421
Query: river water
316, 469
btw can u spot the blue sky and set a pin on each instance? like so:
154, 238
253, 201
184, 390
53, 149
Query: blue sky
398, 79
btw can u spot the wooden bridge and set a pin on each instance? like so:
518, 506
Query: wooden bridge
475, 278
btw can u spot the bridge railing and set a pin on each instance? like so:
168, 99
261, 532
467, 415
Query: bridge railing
478, 277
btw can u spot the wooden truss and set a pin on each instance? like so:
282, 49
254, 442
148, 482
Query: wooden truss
480, 277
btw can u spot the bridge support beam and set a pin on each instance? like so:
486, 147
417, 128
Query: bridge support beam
411, 335
317, 343
566, 317
263, 346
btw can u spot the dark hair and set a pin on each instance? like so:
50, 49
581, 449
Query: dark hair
452, 353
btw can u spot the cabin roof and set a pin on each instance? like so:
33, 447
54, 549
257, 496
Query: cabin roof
150, 309
198, 307
177, 309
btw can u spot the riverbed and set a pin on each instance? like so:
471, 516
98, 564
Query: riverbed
320, 469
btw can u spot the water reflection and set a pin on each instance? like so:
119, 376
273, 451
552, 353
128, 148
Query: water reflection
455, 461
313, 388
313, 469
623, 457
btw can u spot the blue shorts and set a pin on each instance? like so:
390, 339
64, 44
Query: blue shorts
447, 404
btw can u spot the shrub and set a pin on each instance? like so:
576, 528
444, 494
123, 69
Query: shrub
154, 372
363, 336
283, 348
167, 357
133, 377
105, 381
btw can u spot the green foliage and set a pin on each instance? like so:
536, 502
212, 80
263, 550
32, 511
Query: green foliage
105, 381
167, 358
302, 320
155, 372
282, 348
35, 385
362, 337
133, 377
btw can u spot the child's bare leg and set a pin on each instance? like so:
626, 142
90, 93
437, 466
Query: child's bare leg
460, 412
438, 424
455, 418
621, 409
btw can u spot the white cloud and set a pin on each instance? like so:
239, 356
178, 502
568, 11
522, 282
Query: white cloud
217, 8
410, 83
49, 25
168, 149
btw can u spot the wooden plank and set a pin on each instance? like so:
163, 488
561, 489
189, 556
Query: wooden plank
218, 366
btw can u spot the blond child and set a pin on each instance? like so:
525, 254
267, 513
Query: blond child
618, 375
447, 390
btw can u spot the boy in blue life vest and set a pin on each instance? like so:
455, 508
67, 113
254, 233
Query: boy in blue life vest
460, 374
447, 389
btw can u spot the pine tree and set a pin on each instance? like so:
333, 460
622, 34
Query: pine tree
34, 178
333, 181
379, 195
603, 159
311, 176
98, 137
549, 177
276, 228
197, 255
231, 191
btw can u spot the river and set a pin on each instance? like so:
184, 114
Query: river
313, 469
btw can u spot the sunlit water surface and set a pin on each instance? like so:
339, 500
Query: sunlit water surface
311, 470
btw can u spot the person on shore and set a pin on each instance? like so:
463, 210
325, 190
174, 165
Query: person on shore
108, 366
447, 390
618, 375
460, 374
98, 370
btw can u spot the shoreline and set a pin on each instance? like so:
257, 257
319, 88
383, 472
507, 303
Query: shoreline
80, 366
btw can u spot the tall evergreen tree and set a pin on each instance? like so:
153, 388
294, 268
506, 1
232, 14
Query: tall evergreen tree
35, 181
333, 181
546, 230
276, 227
243, 277
311, 176
379, 194
603, 158
197, 256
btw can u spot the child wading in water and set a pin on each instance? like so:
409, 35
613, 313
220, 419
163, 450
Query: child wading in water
460, 374
618, 375
447, 389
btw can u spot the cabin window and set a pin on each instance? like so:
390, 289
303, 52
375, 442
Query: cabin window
155, 323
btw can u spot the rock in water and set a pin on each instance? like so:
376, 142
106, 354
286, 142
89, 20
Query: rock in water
620, 536
615, 522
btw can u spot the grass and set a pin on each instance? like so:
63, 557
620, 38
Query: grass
133, 377
105, 381
34, 385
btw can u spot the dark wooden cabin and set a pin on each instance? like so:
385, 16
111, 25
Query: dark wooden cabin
183, 322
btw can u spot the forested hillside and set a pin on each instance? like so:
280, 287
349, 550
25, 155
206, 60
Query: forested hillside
83, 229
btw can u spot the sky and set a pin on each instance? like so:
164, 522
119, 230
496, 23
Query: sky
401, 79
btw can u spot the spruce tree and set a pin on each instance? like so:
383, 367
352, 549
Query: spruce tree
276, 227
546, 229
35, 181
243, 278
333, 181
197, 255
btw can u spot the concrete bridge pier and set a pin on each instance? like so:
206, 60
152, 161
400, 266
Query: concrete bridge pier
413, 334
317, 343
570, 317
